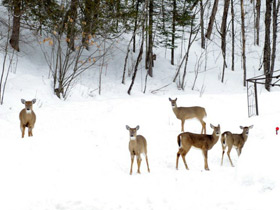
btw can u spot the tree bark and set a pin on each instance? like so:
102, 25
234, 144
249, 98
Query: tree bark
14, 40
274, 34
258, 8
150, 38
212, 18
243, 41
202, 24
223, 35
232, 36
267, 49
173, 31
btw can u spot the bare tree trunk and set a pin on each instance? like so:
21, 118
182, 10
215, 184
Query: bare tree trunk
139, 57
202, 25
258, 8
223, 35
267, 49
212, 19
150, 38
274, 34
14, 40
135, 26
243, 41
126, 57
71, 28
232, 36
173, 31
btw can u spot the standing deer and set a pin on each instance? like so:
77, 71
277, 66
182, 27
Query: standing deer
185, 113
229, 140
202, 141
27, 117
137, 146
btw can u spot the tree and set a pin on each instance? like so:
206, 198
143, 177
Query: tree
267, 49
274, 33
258, 9
212, 18
232, 35
243, 41
223, 35
14, 40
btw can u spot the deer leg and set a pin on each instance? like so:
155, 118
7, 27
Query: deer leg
22, 127
222, 157
177, 159
132, 160
228, 153
182, 125
224, 148
203, 129
147, 163
238, 149
205, 159
30, 131
184, 152
139, 163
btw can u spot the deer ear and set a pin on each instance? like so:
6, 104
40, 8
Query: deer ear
137, 127
211, 126
34, 101
23, 101
170, 99
175, 99
127, 127
251, 126
241, 127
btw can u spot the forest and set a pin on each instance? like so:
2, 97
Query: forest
76, 35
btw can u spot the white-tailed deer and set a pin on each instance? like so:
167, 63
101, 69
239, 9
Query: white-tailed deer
229, 140
27, 117
137, 146
185, 113
202, 141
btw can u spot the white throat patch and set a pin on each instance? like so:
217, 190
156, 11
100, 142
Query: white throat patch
28, 111
133, 138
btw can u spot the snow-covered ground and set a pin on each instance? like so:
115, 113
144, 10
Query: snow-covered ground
78, 158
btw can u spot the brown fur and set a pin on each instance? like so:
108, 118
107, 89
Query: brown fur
202, 141
185, 113
27, 119
229, 140
137, 146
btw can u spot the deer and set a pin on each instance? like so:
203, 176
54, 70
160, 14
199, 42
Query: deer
27, 117
201, 141
229, 140
137, 146
185, 113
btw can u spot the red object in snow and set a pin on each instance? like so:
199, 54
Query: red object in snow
277, 129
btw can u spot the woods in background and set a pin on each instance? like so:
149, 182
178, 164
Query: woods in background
81, 32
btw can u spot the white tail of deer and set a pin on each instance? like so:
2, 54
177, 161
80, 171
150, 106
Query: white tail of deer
185, 113
202, 141
229, 140
27, 117
137, 146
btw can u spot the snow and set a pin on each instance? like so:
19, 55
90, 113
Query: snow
78, 158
